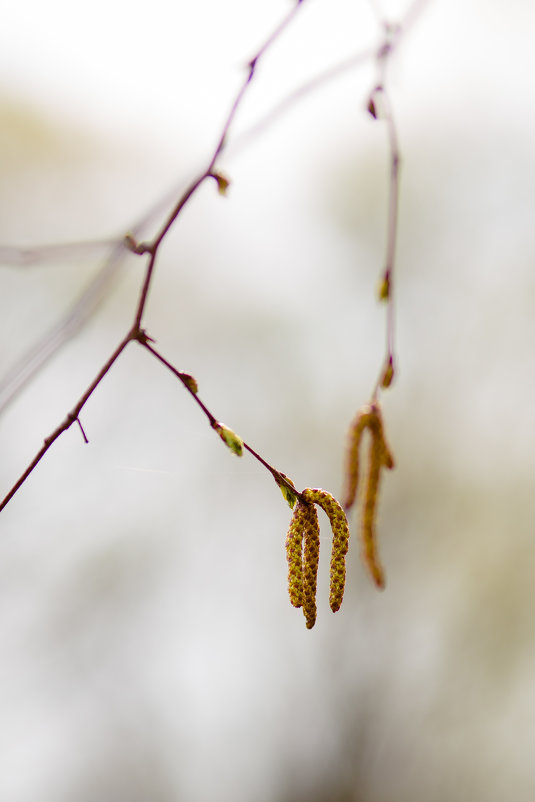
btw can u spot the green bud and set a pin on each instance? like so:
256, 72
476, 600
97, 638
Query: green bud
230, 438
288, 495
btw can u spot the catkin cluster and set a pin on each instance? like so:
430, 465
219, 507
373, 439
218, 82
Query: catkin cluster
379, 456
302, 552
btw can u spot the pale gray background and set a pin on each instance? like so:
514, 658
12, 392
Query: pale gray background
148, 650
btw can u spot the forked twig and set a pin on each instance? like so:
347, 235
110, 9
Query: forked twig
305, 532
151, 248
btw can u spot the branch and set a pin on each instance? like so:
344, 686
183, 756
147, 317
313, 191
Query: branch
386, 287
39, 354
191, 386
151, 249
56, 252
71, 417
89, 299
380, 107
28, 365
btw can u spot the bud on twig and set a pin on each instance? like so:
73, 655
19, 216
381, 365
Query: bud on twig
230, 438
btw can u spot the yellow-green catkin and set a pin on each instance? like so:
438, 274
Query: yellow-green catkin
311, 557
387, 460
379, 457
362, 420
340, 529
369, 540
294, 553
368, 417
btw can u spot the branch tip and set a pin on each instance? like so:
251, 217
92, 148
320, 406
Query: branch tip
139, 248
79, 422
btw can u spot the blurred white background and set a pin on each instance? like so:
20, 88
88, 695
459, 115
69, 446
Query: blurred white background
148, 650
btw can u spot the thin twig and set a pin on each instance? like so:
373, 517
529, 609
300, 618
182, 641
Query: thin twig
290, 100
151, 249
79, 422
380, 106
70, 324
393, 213
388, 277
69, 419
391, 35
207, 173
37, 356
13, 256
279, 477
180, 375
40, 353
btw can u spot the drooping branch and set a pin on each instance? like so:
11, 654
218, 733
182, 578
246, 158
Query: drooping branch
380, 107
191, 386
369, 416
70, 418
386, 286
151, 248
302, 564
34, 359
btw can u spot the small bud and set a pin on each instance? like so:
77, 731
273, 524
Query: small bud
288, 495
371, 108
388, 374
222, 183
384, 287
130, 243
230, 438
190, 382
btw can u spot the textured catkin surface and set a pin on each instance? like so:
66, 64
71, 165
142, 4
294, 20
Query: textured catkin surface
294, 554
310, 565
340, 531
352, 469
379, 456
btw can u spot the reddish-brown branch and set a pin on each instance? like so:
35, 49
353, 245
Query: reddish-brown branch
185, 378
391, 37
380, 98
70, 418
151, 248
